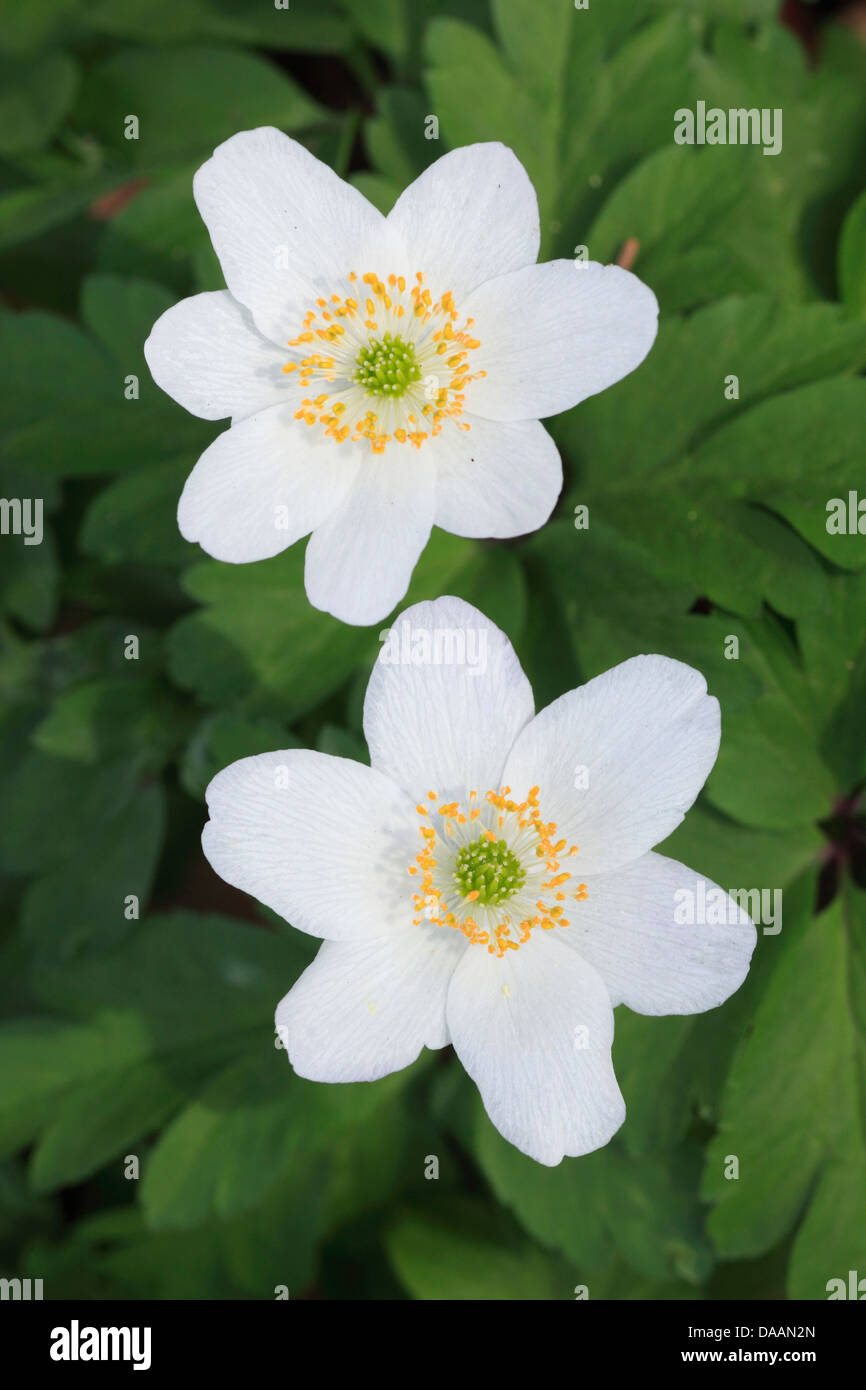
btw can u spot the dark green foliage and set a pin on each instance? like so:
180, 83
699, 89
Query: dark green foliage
148, 1032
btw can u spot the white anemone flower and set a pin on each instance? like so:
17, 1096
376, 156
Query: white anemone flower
382, 374
490, 881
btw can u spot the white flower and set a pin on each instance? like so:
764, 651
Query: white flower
472, 889
382, 374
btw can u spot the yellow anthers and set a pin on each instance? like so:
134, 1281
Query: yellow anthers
386, 350
489, 881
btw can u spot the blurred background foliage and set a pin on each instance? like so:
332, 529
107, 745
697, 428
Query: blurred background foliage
153, 1037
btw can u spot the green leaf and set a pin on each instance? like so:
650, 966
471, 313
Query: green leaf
743, 11
794, 1086
381, 192
245, 1131
30, 211
734, 554
113, 1255
27, 26
787, 438
833, 641
383, 23
654, 1065
832, 1239
369, 1164
673, 1070
442, 1257
644, 422
258, 643
768, 714
534, 39
315, 26
95, 907
644, 611
22, 1212
135, 518
110, 818
775, 732
29, 575
786, 451
487, 575
80, 797
477, 98
707, 475
558, 1205
161, 20
342, 743
852, 259
110, 1255
589, 1206
156, 1017
785, 230
395, 137
670, 204
734, 854
156, 233
186, 100
103, 719
51, 365
222, 738
59, 375
319, 27
571, 117
618, 104
36, 94
116, 310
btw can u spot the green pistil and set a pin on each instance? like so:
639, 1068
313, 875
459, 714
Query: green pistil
387, 367
490, 869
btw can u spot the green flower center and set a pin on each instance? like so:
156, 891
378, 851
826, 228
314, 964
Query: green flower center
490, 870
387, 367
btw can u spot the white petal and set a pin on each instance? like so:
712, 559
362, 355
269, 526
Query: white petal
445, 701
360, 561
634, 928
366, 1008
262, 485
207, 353
496, 479
534, 1031
553, 334
285, 227
323, 841
471, 215
643, 736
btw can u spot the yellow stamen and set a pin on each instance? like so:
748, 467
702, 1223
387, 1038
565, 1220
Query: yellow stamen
501, 923
396, 421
